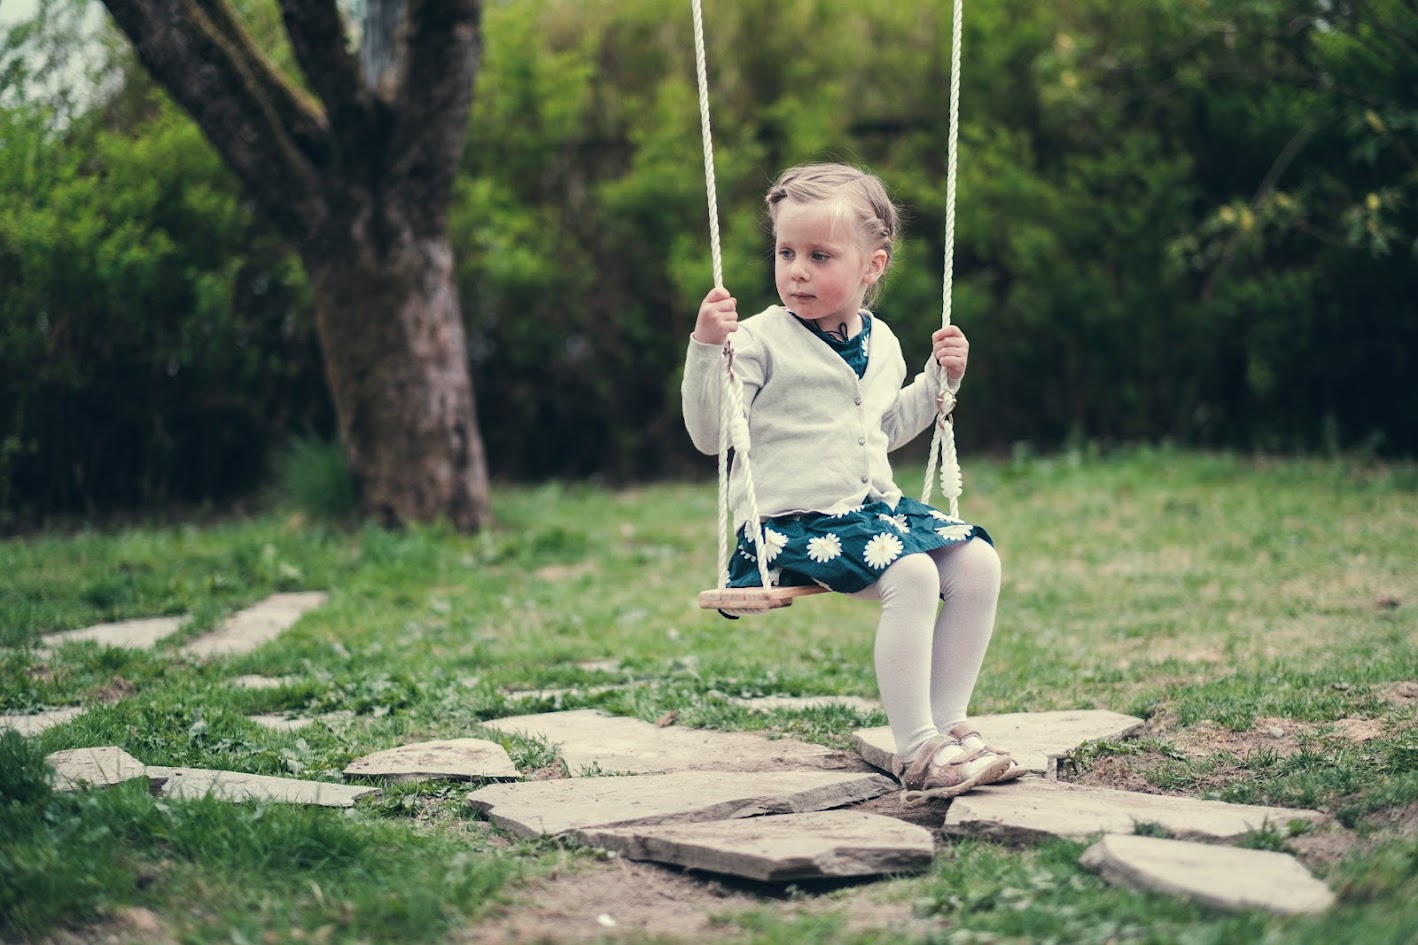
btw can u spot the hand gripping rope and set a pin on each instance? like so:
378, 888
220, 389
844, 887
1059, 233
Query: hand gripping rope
733, 428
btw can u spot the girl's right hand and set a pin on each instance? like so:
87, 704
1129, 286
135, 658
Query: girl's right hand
718, 317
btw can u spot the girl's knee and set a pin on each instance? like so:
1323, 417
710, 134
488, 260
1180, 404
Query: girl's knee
908, 577
974, 564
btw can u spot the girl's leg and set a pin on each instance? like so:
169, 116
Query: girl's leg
908, 591
969, 581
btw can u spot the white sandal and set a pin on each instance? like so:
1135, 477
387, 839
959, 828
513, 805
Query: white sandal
946, 767
970, 737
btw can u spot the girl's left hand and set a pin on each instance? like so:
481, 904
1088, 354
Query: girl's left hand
951, 351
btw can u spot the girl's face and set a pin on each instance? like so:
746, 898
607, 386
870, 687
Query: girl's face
822, 268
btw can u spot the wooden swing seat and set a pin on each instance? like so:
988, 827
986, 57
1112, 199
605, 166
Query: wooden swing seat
754, 599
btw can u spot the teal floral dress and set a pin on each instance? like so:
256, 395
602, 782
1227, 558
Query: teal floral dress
849, 551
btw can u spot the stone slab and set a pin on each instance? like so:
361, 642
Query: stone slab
1031, 808
594, 742
33, 724
192, 783
1221, 877
458, 759
536, 808
256, 681
79, 768
141, 634
1037, 740
814, 845
277, 722
769, 703
259, 624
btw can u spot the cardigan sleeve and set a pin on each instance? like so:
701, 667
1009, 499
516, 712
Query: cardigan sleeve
702, 387
915, 407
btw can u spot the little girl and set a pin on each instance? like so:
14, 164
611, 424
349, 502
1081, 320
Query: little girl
823, 391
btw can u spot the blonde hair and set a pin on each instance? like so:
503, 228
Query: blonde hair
858, 196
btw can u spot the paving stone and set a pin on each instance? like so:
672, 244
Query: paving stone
558, 697
1034, 807
33, 724
459, 759
248, 629
255, 681
534, 808
591, 741
815, 845
191, 783
769, 703
278, 722
79, 768
141, 634
1222, 877
1037, 740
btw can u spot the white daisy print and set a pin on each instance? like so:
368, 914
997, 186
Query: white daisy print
941, 516
954, 532
773, 542
882, 550
897, 522
824, 547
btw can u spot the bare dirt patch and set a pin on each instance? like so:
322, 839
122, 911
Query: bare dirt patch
620, 899
127, 926
1402, 695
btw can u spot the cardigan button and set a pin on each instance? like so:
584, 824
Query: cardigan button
861, 441
857, 401
865, 480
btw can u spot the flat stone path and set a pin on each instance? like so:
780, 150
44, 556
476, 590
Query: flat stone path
142, 634
770, 703
78, 768
1221, 877
1037, 740
816, 845
32, 724
593, 742
191, 783
550, 808
1030, 808
248, 629
257, 681
456, 759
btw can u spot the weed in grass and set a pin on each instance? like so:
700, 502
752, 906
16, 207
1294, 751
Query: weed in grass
312, 477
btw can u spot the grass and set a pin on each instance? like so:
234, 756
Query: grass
1214, 595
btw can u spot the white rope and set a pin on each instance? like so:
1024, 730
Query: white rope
733, 428
943, 436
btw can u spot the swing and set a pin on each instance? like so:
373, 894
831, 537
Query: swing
733, 428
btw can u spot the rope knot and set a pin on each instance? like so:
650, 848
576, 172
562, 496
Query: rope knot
738, 435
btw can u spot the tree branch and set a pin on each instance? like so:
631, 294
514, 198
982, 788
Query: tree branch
317, 34
432, 98
265, 129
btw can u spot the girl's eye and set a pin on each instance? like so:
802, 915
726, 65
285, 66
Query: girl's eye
786, 253
819, 257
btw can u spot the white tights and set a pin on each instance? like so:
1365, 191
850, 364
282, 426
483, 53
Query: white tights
927, 663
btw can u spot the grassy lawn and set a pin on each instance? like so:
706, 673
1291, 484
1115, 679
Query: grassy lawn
1218, 597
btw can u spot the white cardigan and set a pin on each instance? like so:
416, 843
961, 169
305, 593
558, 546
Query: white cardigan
819, 434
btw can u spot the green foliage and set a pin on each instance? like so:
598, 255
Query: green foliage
313, 478
1177, 222
154, 337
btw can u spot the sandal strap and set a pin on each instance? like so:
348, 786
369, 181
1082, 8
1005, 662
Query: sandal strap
916, 770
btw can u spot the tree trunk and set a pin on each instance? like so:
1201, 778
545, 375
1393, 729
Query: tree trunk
357, 172
397, 367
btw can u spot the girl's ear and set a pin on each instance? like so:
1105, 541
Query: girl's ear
876, 266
